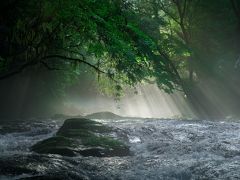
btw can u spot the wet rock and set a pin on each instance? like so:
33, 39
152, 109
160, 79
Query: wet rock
64, 116
79, 127
56, 145
42, 178
104, 115
80, 136
15, 165
57, 176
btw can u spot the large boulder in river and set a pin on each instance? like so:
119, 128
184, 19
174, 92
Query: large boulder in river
103, 115
80, 136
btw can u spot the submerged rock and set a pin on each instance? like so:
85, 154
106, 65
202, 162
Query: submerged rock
80, 136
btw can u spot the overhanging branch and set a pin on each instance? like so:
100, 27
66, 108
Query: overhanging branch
80, 61
46, 65
18, 70
74, 60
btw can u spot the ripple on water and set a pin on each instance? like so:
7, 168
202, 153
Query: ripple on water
162, 150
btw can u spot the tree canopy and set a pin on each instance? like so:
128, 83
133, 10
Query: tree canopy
104, 35
174, 43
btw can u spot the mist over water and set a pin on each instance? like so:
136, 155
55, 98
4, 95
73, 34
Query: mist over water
35, 100
24, 96
147, 102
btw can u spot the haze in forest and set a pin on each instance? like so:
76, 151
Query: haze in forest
146, 58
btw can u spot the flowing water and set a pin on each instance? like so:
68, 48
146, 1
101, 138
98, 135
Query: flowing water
162, 149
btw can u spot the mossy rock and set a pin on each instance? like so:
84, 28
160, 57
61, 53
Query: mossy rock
81, 126
102, 142
56, 145
75, 133
103, 115
80, 136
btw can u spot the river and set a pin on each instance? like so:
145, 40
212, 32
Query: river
162, 149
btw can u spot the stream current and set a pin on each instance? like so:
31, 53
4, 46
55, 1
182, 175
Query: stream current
162, 149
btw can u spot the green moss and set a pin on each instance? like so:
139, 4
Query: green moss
77, 133
78, 128
102, 141
98, 128
57, 141
78, 122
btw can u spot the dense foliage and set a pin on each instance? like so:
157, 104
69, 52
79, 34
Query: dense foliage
104, 35
177, 44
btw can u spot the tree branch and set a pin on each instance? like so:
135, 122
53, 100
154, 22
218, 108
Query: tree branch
168, 13
74, 60
17, 71
236, 9
46, 65
184, 8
